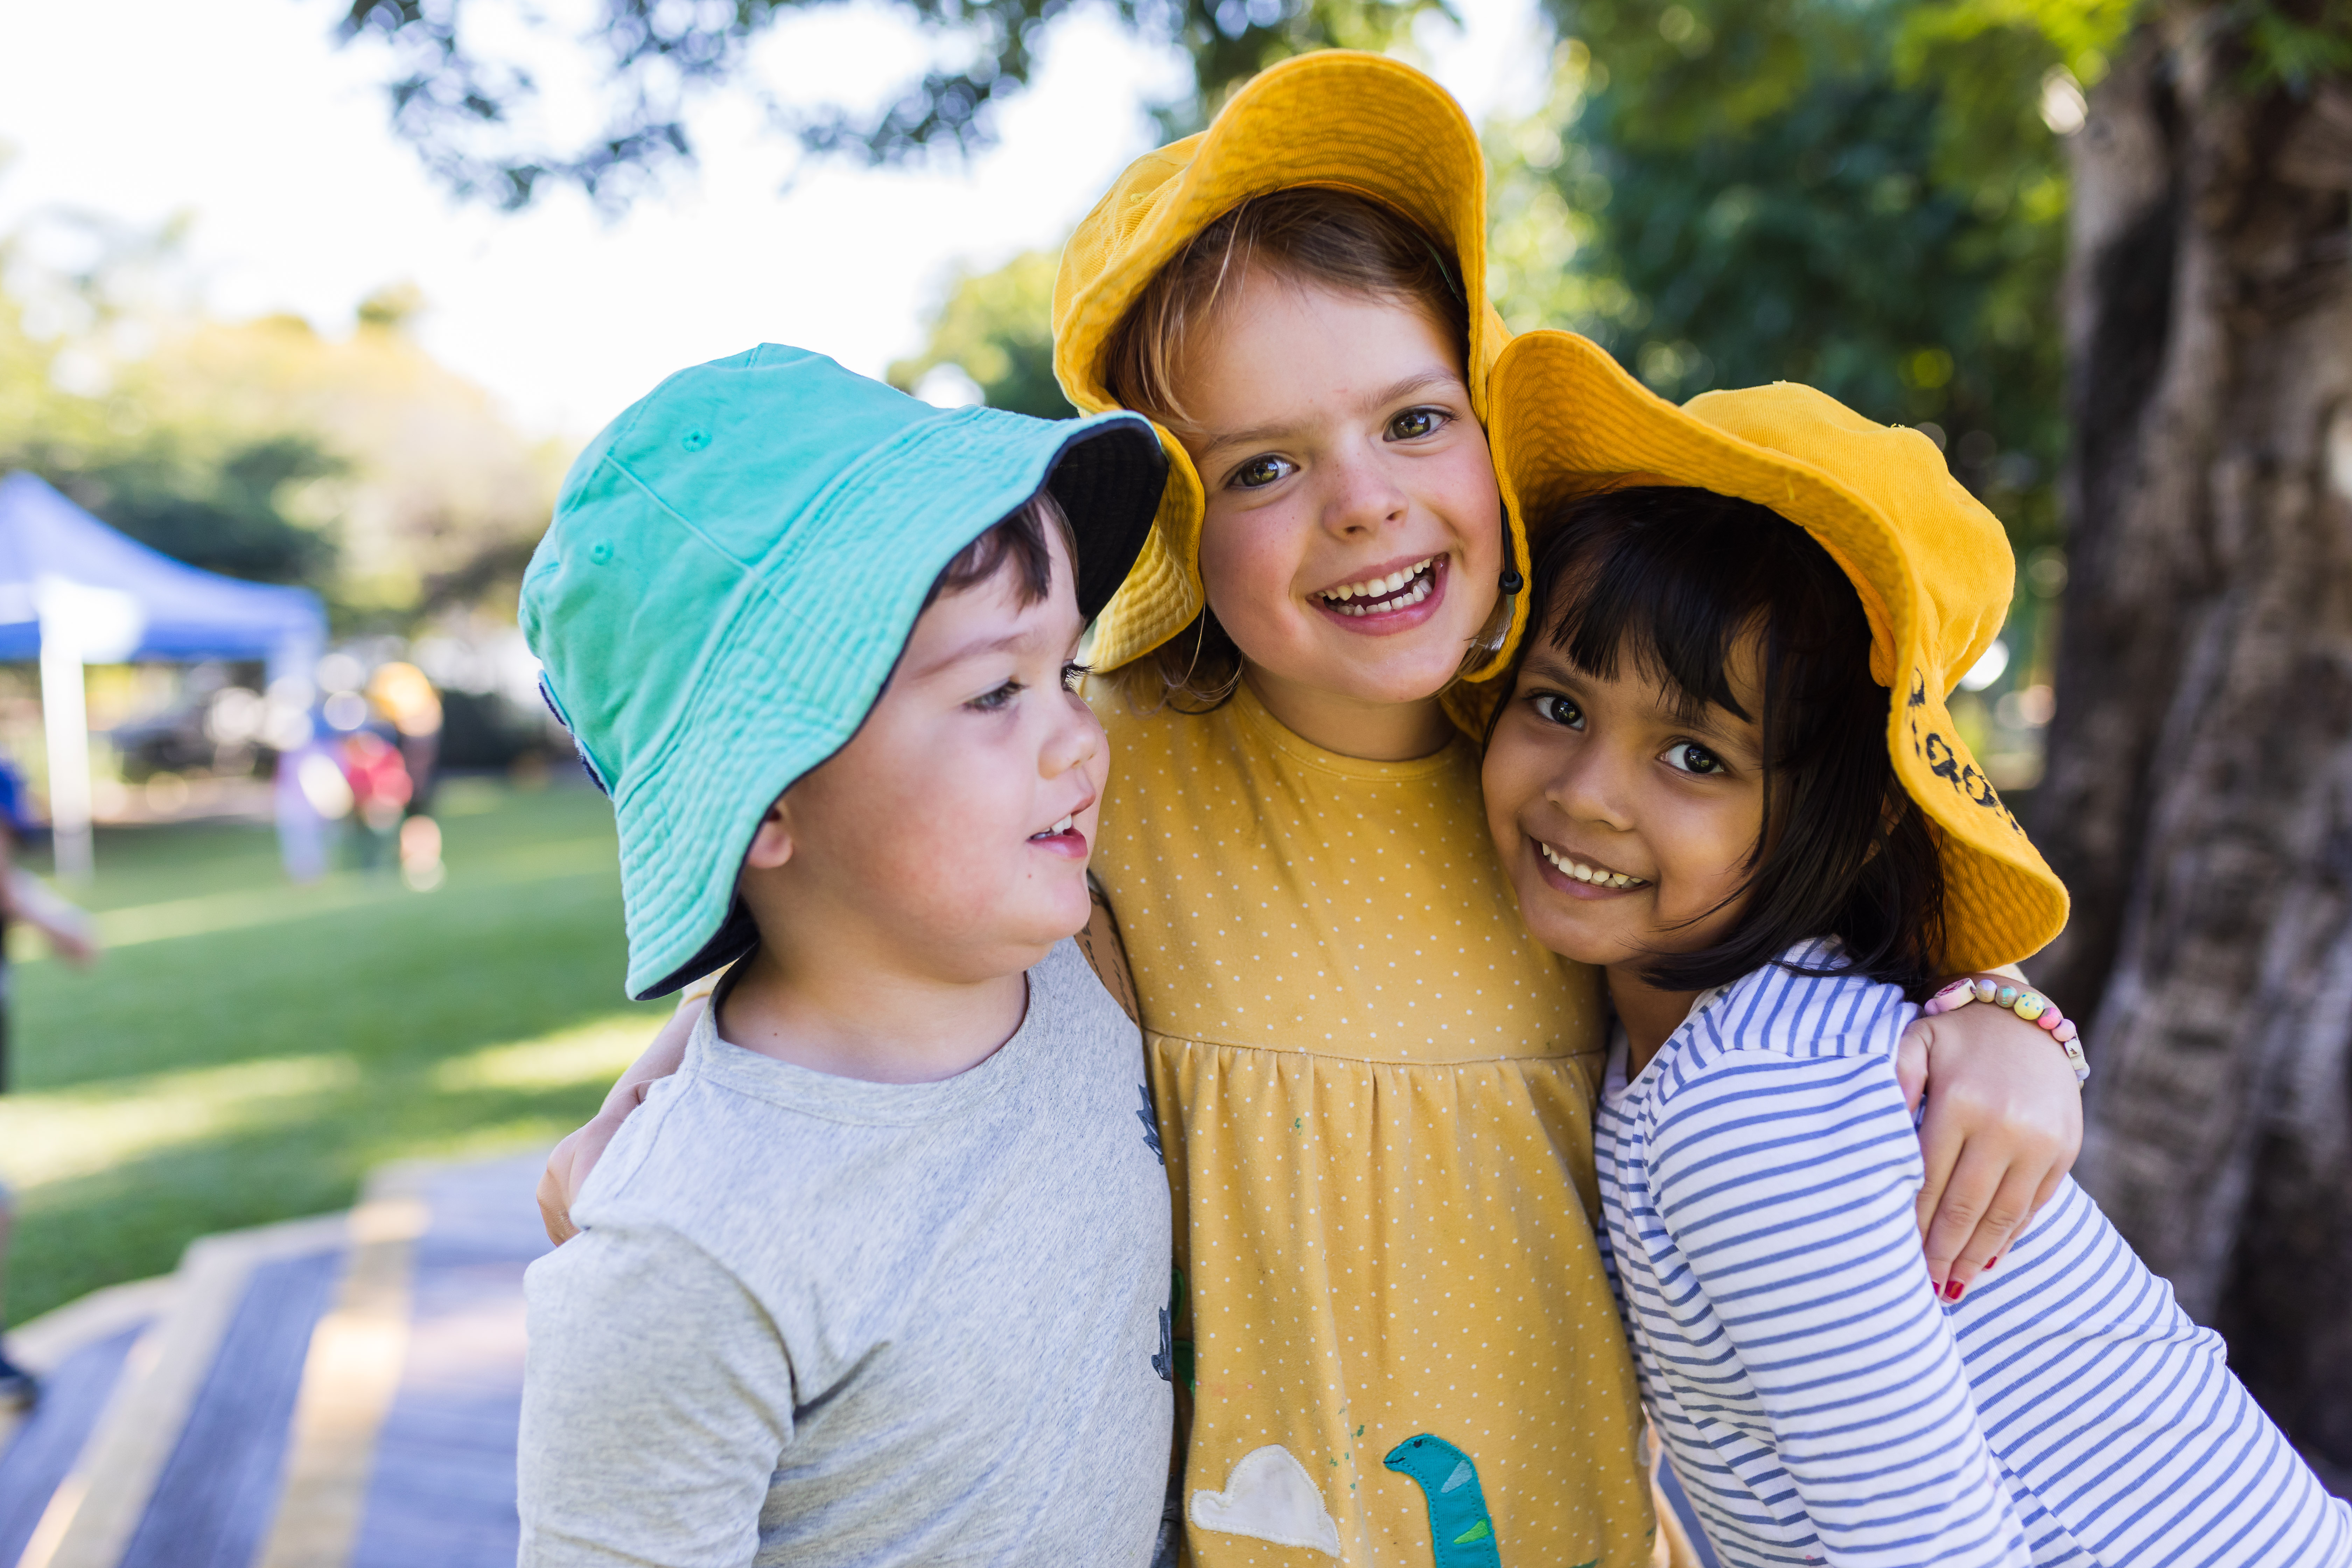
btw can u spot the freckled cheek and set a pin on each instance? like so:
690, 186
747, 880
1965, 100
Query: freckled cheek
944, 806
1466, 497
1249, 566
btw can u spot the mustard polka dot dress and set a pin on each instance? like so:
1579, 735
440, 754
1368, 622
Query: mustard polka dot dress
1375, 1091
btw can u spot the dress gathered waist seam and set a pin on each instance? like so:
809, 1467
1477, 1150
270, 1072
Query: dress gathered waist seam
1155, 1038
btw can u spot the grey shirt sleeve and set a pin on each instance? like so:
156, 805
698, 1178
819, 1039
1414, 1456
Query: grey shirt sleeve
655, 1405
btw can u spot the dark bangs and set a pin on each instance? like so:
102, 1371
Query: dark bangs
1675, 580
1018, 543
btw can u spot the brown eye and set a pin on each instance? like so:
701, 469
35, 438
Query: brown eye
1414, 423
1557, 709
1260, 472
1684, 757
997, 701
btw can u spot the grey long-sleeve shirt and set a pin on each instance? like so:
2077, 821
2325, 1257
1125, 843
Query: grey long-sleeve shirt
815, 1321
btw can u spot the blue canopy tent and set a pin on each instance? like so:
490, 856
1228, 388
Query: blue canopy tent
73, 592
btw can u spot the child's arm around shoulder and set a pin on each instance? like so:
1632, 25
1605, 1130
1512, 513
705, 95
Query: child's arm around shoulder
1784, 1181
657, 1397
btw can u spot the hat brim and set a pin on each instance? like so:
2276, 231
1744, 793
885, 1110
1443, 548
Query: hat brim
1568, 421
686, 824
1108, 478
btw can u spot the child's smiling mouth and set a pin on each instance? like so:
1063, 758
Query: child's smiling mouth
1600, 879
1404, 595
1063, 838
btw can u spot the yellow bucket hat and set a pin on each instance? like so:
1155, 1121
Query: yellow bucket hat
1932, 565
1336, 118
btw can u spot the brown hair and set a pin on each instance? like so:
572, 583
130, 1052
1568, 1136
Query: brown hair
1307, 234
1019, 541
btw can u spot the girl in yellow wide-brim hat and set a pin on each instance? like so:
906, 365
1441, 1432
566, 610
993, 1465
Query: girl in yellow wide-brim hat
1375, 1089
1726, 777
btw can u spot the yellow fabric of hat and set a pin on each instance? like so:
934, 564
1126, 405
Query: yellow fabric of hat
1336, 118
1932, 565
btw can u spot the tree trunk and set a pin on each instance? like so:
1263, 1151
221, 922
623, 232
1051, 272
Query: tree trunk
2199, 797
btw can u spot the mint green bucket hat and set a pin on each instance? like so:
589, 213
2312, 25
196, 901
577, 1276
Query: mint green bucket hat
734, 566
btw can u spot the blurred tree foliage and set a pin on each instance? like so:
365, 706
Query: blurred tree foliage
260, 448
215, 499
225, 511
997, 327
473, 112
1871, 198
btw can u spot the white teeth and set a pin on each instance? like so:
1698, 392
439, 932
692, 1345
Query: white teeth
1381, 587
1063, 826
1584, 873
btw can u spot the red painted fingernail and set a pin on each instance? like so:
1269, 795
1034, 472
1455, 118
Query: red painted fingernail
1990, 1261
1952, 1291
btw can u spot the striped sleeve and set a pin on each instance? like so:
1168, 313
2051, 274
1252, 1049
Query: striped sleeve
1787, 1183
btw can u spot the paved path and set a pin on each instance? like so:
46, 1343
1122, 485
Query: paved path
325, 1394
443, 1489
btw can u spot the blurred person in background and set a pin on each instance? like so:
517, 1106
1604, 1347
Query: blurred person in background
404, 695
24, 898
18, 1388
381, 790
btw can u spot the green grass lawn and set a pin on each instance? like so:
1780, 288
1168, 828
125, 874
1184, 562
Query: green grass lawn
247, 1051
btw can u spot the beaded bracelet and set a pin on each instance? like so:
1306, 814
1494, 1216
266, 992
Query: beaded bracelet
2026, 1003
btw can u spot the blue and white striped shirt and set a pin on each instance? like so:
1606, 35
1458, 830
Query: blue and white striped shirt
1821, 1404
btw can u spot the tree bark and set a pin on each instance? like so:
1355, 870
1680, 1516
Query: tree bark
2199, 797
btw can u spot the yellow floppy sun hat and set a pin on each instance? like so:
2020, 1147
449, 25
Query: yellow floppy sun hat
1932, 565
1336, 118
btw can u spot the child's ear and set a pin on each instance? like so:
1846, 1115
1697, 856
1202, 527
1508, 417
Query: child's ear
771, 846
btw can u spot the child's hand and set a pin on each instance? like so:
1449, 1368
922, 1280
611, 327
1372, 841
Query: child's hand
77, 943
73, 937
568, 1167
2004, 1124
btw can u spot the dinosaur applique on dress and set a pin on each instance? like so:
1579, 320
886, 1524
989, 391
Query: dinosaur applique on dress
1461, 1532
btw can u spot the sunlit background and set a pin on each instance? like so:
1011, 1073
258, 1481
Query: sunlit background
267, 146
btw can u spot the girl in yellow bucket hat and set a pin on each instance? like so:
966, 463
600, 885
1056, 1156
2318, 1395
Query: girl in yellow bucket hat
1375, 1089
1726, 775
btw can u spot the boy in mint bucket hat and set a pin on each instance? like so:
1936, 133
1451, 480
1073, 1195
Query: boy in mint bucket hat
734, 565
878, 1275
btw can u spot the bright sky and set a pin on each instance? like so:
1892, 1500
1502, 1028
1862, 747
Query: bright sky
242, 113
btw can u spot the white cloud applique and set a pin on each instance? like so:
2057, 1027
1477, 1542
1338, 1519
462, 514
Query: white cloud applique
1270, 1497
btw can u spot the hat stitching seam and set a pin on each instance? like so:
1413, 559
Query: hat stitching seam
676, 516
